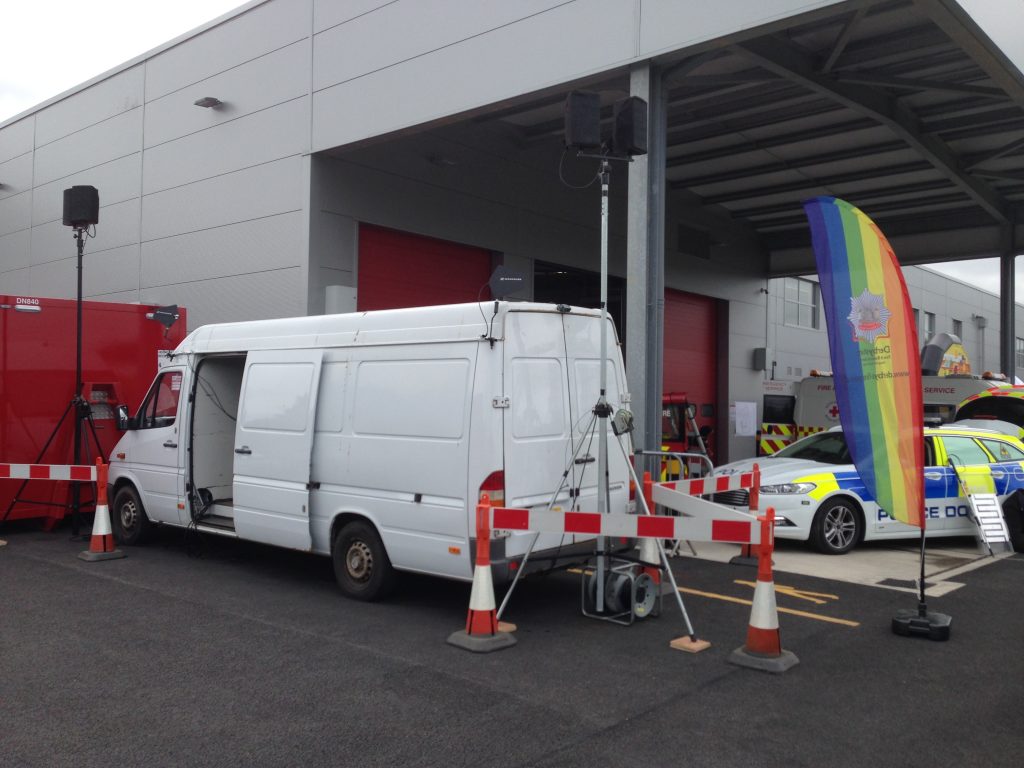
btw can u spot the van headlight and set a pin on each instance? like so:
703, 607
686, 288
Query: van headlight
788, 488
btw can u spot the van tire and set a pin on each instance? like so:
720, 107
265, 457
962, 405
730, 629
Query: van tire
361, 564
128, 518
838, 526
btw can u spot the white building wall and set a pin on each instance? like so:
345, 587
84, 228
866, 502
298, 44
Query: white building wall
797, 350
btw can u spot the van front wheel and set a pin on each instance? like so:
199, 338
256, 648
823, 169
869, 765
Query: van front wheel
129, 522
361, 564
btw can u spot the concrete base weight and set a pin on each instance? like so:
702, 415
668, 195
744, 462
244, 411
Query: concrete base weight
481, 643
92, 557
744, 658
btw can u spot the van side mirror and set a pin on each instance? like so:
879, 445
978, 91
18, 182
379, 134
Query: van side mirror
124, 421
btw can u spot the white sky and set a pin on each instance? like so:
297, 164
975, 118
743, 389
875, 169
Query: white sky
51, 46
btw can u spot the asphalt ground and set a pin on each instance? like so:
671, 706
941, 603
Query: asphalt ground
248, 656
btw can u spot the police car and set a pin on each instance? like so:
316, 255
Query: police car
819, 497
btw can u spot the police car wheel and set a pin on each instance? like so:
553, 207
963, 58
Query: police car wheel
128, 520
361, 564
837, 527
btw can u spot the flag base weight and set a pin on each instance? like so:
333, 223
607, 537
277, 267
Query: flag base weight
923, 623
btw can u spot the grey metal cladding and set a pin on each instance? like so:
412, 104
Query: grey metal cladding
242, 38
118, 93
270, 79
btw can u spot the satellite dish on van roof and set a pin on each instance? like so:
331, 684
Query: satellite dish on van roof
505, 282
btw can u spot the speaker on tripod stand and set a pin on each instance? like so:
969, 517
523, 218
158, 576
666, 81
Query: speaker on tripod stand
81, 211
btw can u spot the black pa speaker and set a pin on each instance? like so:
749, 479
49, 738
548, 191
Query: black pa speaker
81, 206
583, 120
629, 133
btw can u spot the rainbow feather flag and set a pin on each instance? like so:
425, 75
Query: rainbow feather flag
875, 360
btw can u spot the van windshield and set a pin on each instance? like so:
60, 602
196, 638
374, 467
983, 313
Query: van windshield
826, 447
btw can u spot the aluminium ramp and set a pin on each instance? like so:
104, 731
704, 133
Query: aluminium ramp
978, 486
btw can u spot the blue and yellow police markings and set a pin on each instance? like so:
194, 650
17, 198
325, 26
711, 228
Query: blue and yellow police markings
941, 487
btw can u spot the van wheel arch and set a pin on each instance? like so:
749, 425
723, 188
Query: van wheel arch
128, 520
362, 566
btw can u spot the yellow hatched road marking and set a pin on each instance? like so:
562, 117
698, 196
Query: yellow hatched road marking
744, 601
790, 611
800, 594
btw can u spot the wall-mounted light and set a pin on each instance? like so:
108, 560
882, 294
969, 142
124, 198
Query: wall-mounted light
208, 102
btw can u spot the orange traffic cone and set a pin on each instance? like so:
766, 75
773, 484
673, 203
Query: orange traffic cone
101, 544
482, 633
763, 649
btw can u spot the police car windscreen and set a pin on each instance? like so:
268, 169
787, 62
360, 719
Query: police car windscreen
826, 447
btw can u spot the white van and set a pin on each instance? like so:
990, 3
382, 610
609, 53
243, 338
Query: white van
370, 437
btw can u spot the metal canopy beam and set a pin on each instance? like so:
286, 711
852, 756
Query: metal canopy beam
835, 180
778, 56
914, 84
843, 39
804, 162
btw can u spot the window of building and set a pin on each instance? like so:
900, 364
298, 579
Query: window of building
917, 320
929, 325
1020, 352
801, 303
958, 329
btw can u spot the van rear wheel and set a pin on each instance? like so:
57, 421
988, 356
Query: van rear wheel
361, 564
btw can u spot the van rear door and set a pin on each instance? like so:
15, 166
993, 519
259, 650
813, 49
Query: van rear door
537, 420
583, 353
273, 446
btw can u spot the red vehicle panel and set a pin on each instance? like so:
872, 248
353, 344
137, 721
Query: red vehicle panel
37, 384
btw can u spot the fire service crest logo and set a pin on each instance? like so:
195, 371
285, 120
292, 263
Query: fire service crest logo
869, 317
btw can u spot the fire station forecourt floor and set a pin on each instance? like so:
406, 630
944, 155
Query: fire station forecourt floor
248, 656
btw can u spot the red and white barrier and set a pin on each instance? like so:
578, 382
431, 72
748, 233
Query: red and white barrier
83, 473
714, 523
702, 486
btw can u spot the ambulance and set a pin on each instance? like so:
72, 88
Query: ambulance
809, 405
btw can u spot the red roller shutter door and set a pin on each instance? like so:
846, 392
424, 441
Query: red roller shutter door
398, 269
691, 364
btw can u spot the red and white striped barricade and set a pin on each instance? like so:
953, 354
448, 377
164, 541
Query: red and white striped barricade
701, 521
83, 473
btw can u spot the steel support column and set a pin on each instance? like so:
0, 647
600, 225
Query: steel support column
1007, 303
645, 264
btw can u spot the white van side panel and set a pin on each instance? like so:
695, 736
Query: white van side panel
392, 445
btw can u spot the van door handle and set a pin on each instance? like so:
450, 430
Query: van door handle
170, 444
245, 450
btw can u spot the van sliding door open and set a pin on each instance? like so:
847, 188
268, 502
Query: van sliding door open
273, 446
